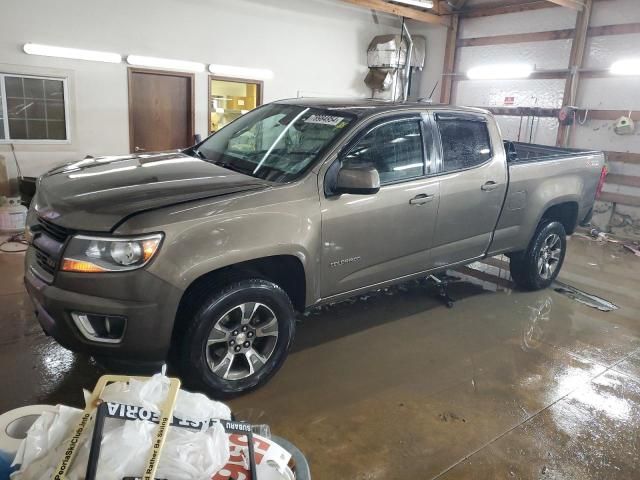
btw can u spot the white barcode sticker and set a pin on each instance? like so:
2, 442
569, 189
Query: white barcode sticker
324, 120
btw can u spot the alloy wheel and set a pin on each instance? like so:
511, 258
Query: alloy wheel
549, 256
242, 340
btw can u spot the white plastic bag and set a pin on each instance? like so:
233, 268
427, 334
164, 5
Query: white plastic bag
148, 394
126, 445
189, 455
46, 433
198, 408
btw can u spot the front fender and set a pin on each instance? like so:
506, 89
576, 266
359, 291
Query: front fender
206, 236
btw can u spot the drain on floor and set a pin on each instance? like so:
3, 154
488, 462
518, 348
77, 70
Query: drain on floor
592, 301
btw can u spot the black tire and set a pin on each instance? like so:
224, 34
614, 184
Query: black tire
224, 305
525, 268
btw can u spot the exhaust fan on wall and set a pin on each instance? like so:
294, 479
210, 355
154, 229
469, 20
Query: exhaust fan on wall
387, 58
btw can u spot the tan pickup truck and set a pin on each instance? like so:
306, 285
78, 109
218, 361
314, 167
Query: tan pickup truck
207, 253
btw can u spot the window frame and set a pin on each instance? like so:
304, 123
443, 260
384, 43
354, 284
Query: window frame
259, 96
5, 113
452, 115
380, 122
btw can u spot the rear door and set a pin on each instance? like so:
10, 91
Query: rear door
473, 182
369, 239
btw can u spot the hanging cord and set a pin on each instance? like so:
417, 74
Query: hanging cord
584, 119
535, 130
15, 159
19, 239
520, 127
533, 120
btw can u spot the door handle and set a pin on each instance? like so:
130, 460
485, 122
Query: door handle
138, 149
490, 185
421, 199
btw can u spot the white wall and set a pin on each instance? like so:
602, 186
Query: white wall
311, 46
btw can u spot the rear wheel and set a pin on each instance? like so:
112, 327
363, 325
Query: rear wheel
239, 337
539, 266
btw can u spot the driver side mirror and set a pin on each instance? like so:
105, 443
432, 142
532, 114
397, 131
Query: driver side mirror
358, 181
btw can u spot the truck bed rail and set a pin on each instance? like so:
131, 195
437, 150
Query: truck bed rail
520, 152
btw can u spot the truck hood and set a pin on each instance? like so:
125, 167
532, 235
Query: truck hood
95, 194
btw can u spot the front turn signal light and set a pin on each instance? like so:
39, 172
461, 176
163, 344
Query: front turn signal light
71, 265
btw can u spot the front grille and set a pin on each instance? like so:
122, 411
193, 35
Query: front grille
54, 231
45, 262
47, 254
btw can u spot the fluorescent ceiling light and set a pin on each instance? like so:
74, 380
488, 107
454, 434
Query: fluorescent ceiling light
156, 62
500, 71
628, 66
416, 3
241, 72
75, 53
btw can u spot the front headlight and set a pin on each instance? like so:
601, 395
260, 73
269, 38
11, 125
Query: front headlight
104, 254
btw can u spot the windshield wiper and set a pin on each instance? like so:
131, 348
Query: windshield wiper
198, 153
230, 167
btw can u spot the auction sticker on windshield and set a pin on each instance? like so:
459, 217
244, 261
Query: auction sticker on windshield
324, 119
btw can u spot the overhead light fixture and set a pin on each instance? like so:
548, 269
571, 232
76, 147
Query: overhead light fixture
500, 71
628, 66
241, 72
155, 62
74, 53
416, 3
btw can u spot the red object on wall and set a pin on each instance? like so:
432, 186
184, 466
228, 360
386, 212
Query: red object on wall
603, 177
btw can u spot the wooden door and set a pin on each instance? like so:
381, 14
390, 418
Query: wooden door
160, 110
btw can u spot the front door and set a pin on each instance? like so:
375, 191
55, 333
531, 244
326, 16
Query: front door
160, 110
473, 183
369, 239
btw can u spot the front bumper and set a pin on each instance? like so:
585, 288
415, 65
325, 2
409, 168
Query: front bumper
148, 303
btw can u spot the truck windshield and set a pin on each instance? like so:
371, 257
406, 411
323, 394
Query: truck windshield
277, 142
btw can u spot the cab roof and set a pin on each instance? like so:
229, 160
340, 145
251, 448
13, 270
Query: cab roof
364, 107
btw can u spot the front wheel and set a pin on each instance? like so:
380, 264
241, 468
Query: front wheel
238, 338
539, 266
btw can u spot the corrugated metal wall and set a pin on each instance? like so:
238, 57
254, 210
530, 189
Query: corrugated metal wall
597, 92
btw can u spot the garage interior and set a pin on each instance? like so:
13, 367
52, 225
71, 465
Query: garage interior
392, 383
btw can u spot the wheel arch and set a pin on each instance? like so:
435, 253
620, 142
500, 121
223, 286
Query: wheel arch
565, 213
286, 271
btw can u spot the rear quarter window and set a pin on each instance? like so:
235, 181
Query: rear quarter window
465, 143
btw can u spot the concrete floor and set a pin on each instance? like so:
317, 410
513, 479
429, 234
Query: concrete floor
507, 384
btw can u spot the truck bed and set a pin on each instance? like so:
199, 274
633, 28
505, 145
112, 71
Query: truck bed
520, 152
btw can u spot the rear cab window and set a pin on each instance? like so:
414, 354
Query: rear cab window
465, 141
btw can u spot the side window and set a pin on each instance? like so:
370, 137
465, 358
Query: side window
465, 143
394, 149
35, 108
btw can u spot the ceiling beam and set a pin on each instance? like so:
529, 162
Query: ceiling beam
575, 4
401, 11
454, 5
500, 7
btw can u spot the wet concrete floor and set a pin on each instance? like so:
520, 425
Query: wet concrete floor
507, 384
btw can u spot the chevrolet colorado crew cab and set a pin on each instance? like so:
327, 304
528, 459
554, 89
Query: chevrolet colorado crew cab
207, 253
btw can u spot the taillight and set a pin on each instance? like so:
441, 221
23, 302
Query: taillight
603, 177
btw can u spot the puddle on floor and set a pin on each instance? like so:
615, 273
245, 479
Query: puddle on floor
588, 299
